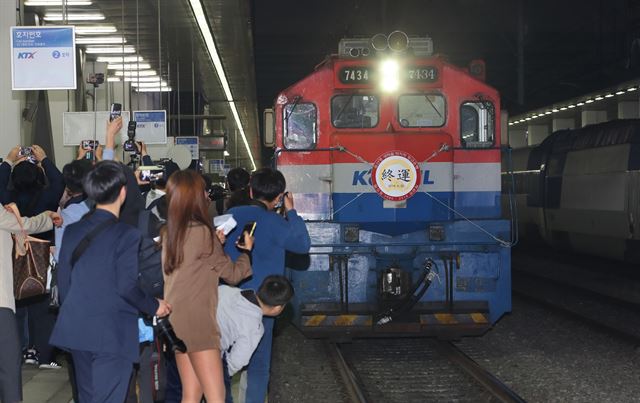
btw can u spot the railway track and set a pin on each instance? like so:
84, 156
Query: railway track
604, 296
414, 370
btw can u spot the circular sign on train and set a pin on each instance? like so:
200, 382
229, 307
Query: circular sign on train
396, 175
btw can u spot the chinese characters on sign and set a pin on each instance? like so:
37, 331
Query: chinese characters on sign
396, 176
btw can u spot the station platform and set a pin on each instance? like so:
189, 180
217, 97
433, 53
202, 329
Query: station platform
45, 385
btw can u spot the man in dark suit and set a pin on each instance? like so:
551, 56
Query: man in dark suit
100, 296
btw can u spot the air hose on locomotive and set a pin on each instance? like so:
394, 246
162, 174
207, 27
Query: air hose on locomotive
417, 291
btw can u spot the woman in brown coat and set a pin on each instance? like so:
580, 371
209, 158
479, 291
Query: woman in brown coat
193, 261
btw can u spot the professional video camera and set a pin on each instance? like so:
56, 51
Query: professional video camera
130, 145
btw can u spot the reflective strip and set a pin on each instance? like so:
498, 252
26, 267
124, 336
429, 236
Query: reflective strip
345, 320
479, 318
446, 318
315, 320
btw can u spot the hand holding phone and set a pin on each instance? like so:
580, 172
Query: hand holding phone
245, 241
116, 111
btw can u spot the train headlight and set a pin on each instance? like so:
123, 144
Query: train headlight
389, 75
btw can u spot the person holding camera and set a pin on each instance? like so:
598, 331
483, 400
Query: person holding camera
275, 235
193, 263
31, 180
99, 293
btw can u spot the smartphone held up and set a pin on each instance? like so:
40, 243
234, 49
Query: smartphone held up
249, 228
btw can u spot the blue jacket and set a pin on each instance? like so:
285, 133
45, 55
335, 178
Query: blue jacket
273, 236
100, 298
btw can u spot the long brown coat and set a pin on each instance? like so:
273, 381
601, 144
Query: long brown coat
192, 288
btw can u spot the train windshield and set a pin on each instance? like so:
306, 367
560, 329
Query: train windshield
477, 124
421, 110
300, 126
355, 111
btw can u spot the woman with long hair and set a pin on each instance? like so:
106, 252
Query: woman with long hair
193, 262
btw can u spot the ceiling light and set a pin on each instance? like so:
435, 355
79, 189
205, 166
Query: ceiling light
527, 118
119, 59
100, 39
572, 106
554, 110
205, 31
510, 123
143, 84
588, 101
156, 89
74, 17
129, 66
113, 79
141, 73
111, 49
599, 98
141, 79
95, 29
564, 108
47, 3
226, 153
631, 89
547, 113
620, 92
580, 103
608, 95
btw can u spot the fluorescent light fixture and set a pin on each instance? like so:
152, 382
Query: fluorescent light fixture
599, 98
510, 123
110, 49
226, 153
608, 95
390, 74
572, 106
48, 3
95, 29
119, 59
148, 84
205, 30
527, 118
101, 39
580, 103
113, 79
152, 79
129, 66
554, 110
619, 92
589, 101
630, 89
156, 89
74, 17
564, 108
140, 73
547, 113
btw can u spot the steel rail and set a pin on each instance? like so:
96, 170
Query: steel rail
352, 383
492, 384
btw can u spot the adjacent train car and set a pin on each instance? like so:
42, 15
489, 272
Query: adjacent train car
580, 190
393, 156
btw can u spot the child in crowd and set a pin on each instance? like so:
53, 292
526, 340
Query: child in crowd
240, 320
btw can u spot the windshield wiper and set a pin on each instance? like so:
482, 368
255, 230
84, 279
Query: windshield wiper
337, 118
432, 105
296, 99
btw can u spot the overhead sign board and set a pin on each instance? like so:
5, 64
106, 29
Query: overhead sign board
43, 58
191, 142
151, 126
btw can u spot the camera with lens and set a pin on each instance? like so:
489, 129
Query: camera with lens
27, 152
95, 79
152, 173
130, 145
165, 331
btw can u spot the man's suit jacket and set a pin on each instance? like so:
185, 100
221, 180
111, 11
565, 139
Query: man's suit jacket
100, 297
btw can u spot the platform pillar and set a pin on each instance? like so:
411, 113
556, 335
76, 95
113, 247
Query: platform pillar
537, 133
517, 138
628, 110
11, 102
593, 117
563, 123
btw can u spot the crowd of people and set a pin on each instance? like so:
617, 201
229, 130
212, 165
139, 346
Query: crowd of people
173, 322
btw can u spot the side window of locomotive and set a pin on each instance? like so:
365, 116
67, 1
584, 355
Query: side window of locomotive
300, 127
421, 110
354, 111
477, 124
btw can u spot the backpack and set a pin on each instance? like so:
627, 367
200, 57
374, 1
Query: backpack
150, 277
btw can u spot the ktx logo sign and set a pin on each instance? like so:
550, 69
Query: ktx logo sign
26, 55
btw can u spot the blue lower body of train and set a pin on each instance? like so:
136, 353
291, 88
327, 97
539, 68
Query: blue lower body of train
448, 279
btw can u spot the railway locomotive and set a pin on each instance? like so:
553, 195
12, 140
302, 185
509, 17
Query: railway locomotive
580, 190
393, 155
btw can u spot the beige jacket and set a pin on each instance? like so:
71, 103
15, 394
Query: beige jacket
8, 225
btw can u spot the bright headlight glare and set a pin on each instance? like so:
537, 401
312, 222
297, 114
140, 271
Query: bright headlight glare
389, 73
